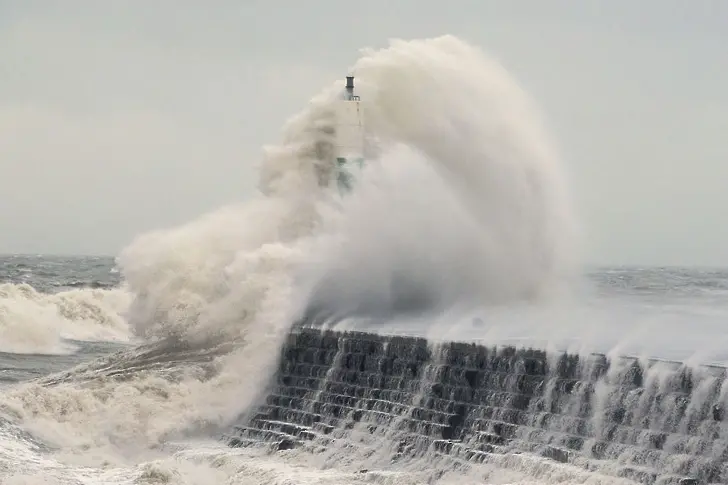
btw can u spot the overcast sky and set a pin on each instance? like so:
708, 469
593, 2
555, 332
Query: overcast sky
118, 117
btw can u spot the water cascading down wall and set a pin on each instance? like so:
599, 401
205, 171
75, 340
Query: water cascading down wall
646, 421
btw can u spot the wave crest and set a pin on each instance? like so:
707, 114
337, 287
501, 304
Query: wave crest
32, 322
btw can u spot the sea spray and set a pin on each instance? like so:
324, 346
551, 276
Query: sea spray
464, 202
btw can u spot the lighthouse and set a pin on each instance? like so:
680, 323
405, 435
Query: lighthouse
348, 137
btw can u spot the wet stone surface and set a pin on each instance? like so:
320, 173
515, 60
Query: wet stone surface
648, 421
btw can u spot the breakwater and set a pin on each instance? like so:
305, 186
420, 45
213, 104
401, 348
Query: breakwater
648, 421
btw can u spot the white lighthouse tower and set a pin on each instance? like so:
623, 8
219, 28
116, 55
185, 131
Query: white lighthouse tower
348, 137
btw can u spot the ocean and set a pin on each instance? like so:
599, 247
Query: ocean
59, 313
130, 370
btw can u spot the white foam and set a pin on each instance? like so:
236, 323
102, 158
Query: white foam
34, 322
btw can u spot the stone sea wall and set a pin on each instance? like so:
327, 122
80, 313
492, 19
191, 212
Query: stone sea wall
646, 421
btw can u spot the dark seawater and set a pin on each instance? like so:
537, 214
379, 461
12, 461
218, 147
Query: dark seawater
58, 273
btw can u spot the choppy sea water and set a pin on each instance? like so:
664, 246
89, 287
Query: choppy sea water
70, 298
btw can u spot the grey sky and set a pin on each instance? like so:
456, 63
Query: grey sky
120, 117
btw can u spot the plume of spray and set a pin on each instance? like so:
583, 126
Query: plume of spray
465, 204
463, 200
